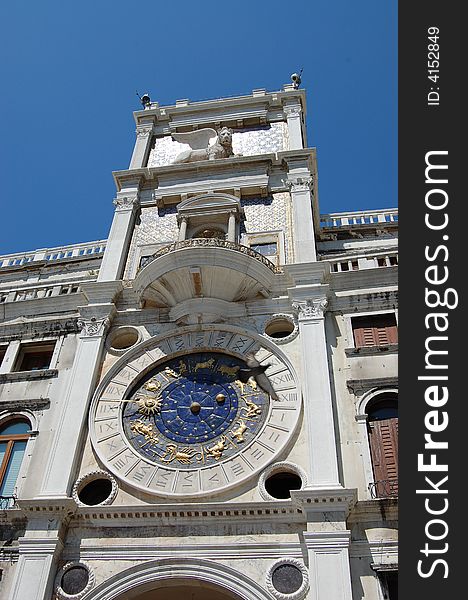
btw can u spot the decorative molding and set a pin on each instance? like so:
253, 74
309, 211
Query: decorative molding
311, 309
359, 386
58, 589
298, 594
94, 327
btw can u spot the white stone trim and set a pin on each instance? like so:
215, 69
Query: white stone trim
58, 589
88, 478
277, 468
298, 594
369, 396
179, 569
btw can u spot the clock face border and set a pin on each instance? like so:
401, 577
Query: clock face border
172, 480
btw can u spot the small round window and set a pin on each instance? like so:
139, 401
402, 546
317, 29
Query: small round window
95, 489
281, 328
73, 581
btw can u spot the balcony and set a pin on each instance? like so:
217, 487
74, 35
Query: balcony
204, 268
385, 488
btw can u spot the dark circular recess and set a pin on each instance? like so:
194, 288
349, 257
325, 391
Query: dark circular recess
286, 578
279, 328
124, 339
280, 484
74, 580
95, 492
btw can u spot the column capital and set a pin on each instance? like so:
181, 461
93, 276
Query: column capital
292, 110
94, 327
144, 130
299, 184
311, 309
124, 203
95, 319
327, 540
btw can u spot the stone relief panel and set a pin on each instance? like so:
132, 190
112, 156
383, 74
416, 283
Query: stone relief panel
248, 142
157, 226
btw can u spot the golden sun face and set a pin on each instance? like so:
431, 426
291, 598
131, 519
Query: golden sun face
148, 406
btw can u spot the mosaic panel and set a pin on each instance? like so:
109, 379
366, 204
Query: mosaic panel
157, 225
248, 142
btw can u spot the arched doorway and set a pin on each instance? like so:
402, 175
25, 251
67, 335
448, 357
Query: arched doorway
179, 579
187, 592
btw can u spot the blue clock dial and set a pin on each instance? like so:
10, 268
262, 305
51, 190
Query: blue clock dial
194, 411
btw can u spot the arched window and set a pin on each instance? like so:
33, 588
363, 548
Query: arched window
14, 435
382, 422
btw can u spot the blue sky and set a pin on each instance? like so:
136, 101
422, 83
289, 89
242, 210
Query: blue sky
70, 72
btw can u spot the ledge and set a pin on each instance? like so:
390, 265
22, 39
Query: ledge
358, 386
27, 375
25, 403
372, 350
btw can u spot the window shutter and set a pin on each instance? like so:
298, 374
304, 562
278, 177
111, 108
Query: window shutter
383, 438
11, 475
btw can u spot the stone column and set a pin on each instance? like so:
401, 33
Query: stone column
60, 463
293, 112
231, 234
183, 229
142, 146
317, 392
304, 236
115, 255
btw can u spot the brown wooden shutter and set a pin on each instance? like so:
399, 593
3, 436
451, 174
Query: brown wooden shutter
379, 330
383, 439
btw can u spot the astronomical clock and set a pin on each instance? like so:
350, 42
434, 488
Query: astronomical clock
191, 416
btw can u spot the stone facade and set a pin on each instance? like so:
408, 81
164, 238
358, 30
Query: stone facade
192, 408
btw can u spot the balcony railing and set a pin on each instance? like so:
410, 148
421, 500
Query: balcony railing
362, 217
7, 502
52, 254
209, 243
385, 488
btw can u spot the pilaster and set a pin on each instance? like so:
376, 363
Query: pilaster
142, 145
126, 208
60, 466
310, 304
293, 111
300, 188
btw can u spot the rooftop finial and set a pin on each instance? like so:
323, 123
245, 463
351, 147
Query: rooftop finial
145, 100
296, 79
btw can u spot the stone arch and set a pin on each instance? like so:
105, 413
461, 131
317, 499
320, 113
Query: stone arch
169, 572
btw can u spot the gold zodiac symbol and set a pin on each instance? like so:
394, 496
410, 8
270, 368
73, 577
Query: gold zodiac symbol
217, 450
241, 385
171, 373
184, 455
182, 367
229, 371
239, 432
252, 409
204, 365
147, 431
153, 385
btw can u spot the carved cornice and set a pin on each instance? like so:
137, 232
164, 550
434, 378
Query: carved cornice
311, 309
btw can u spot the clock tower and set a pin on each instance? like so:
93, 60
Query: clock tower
211, 439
